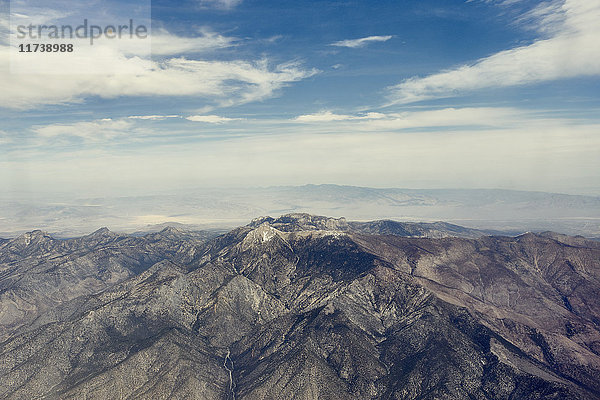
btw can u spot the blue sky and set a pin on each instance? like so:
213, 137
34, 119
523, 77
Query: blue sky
421, 94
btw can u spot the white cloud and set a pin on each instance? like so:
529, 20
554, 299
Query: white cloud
570, 50
546, 17
153, 117
211, 119
35, 16
324, 116
165, 43
219, 82
117, 68
328, 116
89, 130
355, 43
488, 118
160, 43
274, 38
4, 23
453, 117
223, 4
4, 138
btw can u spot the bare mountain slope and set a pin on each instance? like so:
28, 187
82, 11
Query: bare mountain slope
305, 307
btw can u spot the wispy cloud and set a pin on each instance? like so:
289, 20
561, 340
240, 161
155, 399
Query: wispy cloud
211, 119
153, 117
570, 50
88, 130
476, 119
457, 118
273, 39
165, 43
328, 116
5, 138
362, 42
454, 118
222, 4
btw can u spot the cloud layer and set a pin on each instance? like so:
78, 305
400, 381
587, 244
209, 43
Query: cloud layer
479, 147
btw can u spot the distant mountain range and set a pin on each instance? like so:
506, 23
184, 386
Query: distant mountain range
301, 307
513, 212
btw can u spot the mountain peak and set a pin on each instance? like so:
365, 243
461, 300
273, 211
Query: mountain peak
31, 239
103, 232
33, 236
171, 230
263, 233
36, 233
302, 221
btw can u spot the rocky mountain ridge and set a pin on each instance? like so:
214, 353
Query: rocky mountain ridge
301, 307
308, 222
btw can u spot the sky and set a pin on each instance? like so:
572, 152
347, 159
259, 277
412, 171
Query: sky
238, 93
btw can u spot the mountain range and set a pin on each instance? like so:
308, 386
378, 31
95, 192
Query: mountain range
302, 307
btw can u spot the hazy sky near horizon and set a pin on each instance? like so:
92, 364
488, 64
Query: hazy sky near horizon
420, 94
